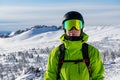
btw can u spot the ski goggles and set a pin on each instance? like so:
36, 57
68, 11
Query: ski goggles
69, 24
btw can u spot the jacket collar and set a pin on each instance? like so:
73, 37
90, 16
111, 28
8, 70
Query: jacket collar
74, 44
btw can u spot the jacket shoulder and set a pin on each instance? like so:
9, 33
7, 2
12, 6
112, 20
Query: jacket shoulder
92, 48
54, 52
93, 51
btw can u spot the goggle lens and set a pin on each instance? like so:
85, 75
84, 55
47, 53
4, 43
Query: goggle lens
69, 24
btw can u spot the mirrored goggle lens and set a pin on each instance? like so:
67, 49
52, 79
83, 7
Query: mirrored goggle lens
69, 24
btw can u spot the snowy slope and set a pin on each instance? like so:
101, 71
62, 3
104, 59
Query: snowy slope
98, 33
103, 37
30, 39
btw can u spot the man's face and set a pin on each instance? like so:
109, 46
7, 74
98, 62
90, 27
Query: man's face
73, 32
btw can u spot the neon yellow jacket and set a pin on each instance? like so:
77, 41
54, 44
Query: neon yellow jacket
71, 71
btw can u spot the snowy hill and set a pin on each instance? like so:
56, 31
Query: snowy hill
4, 34
98, 33
35, 31
40, 40
29, 32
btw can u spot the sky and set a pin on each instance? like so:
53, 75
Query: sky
21, 14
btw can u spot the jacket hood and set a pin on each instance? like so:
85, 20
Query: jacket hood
74, 44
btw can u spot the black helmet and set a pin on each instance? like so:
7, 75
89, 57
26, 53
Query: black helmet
73, 15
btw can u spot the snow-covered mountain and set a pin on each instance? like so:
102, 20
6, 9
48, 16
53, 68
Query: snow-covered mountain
40, 40
36, 29
4, 34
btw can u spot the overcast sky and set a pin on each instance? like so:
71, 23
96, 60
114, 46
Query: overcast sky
20, 14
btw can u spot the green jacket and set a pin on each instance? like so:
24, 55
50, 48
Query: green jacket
71, 71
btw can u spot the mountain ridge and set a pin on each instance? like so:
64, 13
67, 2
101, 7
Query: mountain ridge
38, 29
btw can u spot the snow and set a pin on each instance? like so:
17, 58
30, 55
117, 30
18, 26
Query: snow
113, 71
105, 38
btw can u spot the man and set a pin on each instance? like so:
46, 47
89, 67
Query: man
73, 41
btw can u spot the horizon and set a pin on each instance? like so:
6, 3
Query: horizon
21, 14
